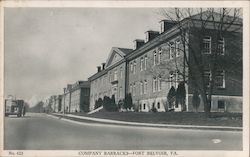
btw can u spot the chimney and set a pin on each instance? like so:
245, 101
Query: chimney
69, 86
98, 68
138, 43
166, 25
103, 66
64, 90
151, 35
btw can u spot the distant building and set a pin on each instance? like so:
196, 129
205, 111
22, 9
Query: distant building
76, 97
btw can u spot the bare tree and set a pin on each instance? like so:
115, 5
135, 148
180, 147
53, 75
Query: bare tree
194, 25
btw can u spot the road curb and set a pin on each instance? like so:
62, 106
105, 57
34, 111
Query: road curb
136, 124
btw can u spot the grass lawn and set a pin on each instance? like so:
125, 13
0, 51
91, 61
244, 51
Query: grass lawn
181, 118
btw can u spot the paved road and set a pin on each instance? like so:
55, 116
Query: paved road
42, 132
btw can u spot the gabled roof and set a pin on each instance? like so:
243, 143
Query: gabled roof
122, 52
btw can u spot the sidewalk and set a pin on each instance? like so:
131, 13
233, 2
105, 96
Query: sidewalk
117, 122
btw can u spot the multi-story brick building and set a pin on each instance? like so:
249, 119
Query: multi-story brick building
110, 77
76, 97
158, 63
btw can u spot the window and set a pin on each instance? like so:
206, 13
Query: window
158, 105
141, 65
131, 67
155, 57
159, 55
115, 74
159, 83
220, 79
145, 62
144, 106
141, 87
140, 107
177, 47
221, 46
134, 69
171, 51
134, 90
154, 84
162, 27
221, 104
171, 79
145, 86
206, 47
120, 92
207, 77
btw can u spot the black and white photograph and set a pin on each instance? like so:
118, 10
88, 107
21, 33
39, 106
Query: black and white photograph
142, 79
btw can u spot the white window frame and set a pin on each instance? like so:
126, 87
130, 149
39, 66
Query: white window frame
131, 67
145, 62
223, 46
154, 84
159, 55
159, 83
171, 50
155, 56
145, 86
141, 64
208, 72
134, 89
207, 41
134, 70
115, 74
141, 87
223, 78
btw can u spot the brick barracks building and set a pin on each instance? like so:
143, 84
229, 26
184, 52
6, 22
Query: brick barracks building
76, 97
156, 64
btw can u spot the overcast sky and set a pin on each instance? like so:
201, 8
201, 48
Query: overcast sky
47, 48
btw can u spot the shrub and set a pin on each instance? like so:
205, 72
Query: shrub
98, 103
154, 109
181, 96
128, 101
109, 104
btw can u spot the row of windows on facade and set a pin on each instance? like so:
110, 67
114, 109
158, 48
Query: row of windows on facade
173, 80
108, 93
207, 45
156, 86
114, 77
219, 81
174, 51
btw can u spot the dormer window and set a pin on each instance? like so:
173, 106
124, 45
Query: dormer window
147, 37
162, 27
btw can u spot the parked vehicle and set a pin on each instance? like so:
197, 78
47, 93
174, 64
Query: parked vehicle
14, 107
